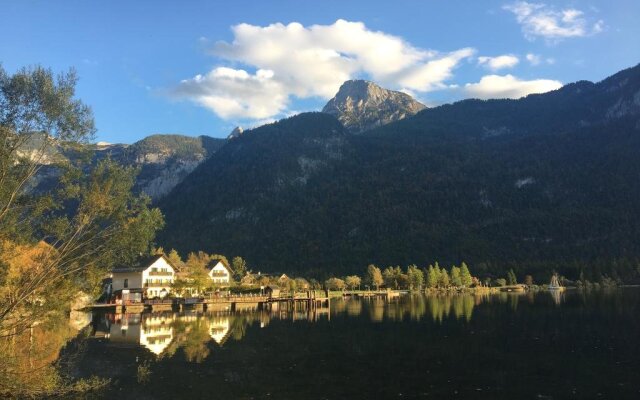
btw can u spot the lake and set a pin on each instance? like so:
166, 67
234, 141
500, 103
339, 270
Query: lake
519, 346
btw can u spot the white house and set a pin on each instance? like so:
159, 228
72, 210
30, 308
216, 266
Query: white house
152, 277
219, 272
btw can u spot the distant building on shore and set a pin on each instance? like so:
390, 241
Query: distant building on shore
219, 272
152, 277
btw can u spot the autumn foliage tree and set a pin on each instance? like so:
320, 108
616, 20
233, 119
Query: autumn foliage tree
74, 232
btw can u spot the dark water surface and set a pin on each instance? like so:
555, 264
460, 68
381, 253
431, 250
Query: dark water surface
529, 346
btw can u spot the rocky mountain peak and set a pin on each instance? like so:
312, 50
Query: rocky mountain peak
362, 105
236, 132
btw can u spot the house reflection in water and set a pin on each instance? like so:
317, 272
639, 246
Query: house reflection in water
152, 331
195, 333
219, 329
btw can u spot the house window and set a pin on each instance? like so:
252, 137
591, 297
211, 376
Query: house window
126, 283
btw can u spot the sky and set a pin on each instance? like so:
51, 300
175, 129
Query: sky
204, 67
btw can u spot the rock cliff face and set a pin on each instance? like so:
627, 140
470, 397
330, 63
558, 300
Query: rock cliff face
236, 133
361, 105
165, 160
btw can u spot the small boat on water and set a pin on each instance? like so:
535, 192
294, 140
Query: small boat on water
555, 284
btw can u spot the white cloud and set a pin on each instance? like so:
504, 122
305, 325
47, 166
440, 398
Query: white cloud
536, 59
236, 94
541, 20
508, 87
499, 62
294, 60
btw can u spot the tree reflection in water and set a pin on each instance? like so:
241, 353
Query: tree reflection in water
196, 336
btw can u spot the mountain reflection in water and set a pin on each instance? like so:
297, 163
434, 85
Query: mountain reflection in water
505, 345
164, 333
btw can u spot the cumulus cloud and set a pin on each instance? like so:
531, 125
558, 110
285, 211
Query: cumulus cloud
508, 87
235, 93
297, 61
541, 20
499, 62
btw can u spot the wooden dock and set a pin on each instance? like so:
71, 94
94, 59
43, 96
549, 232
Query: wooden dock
301, 301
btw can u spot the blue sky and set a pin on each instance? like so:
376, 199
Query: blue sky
203, 67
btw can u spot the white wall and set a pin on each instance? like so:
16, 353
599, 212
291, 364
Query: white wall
138, 279
161, 284
135, 280
219, 268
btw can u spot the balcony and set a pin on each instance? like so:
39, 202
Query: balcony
157, 284
160, 273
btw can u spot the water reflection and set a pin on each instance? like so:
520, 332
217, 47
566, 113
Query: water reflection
163, 334
438, 346
417, 307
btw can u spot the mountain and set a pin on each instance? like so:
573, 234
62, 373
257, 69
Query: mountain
164, 160
236, 132
361, 105
546, 182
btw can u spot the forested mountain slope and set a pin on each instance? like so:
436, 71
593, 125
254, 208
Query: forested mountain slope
547, 181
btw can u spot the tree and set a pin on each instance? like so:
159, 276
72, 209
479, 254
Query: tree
528, 280
444, 279
89, 222
500, 282
302, 284
196, 271
335, 284
433, 277
352, 281
456, 278
402, 279
291, 285
511, 277
175, 259
37, 111
239, 268
220, 257
465, 275
374, 276
389, 277
415, 277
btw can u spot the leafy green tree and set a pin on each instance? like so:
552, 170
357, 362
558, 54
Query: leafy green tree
444, 279
511, 277
88, 223
352, 281
239, 268
433, 276
291, 285
389, 277
374, 276
175, 259
456, 278
415, 277
302, 284
335, 284
465, 275
401, 279
500, 282
196, 271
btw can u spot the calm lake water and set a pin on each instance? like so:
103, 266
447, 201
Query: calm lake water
529, 346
